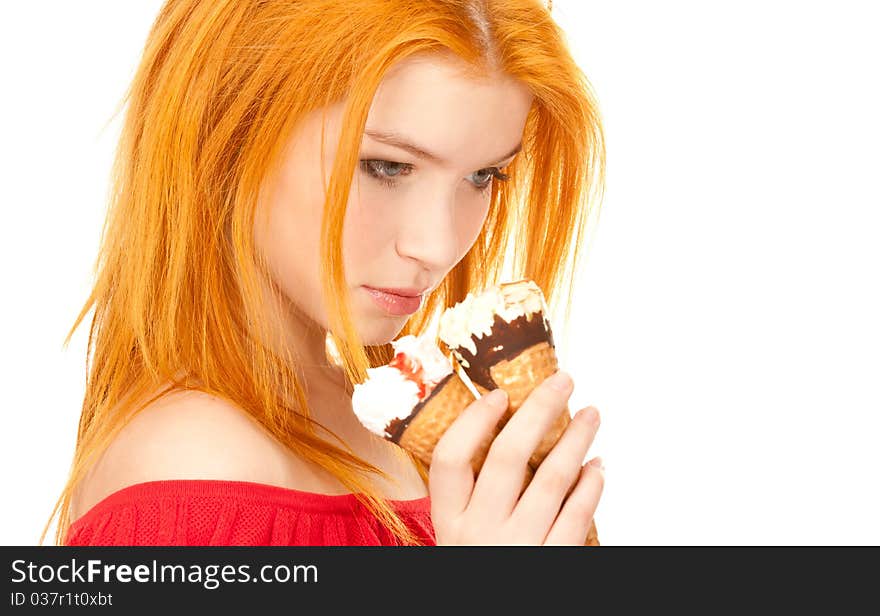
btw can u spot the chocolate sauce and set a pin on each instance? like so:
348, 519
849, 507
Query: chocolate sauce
506, 341
397, 426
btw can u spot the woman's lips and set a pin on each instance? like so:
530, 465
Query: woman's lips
405, 292
394, 304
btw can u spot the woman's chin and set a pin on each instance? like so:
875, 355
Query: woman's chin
374, 332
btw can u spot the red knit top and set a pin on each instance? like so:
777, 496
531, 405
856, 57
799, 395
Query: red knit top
220, 512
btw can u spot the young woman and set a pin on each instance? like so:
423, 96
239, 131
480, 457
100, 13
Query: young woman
282, 163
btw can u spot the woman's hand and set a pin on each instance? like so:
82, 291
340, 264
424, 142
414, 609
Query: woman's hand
557, 506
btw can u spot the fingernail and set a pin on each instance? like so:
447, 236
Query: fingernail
591, 415
597, 463
496, 398
560, 381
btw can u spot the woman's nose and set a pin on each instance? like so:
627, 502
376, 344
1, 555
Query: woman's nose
428, 232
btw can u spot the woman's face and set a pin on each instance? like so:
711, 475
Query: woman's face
414, 210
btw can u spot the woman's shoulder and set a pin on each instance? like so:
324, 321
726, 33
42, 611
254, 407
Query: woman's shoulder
189, 435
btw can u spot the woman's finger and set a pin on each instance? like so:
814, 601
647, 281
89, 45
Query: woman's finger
451, 476
573, 523
541, 502
500, 482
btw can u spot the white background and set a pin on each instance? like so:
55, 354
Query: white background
726, 318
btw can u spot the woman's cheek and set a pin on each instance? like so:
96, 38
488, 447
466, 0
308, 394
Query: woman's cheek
365, 233
473, 222
371, 200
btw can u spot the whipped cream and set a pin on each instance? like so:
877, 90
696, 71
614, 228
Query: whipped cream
386, 395
389, 393
435, 365
474, 316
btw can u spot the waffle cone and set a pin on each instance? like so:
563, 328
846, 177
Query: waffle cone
592, 535
518, 377
443, 407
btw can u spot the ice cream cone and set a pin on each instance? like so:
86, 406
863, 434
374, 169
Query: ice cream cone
502, 339
592, 535
430, 419
518, 377
414, 399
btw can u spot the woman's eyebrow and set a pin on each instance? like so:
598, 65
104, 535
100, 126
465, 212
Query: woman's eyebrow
399, 141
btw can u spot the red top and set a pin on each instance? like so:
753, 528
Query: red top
220, 512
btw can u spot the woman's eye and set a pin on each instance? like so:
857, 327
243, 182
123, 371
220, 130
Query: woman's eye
384, 170
483, 177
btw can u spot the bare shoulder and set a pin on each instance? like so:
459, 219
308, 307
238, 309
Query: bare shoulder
186, 435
